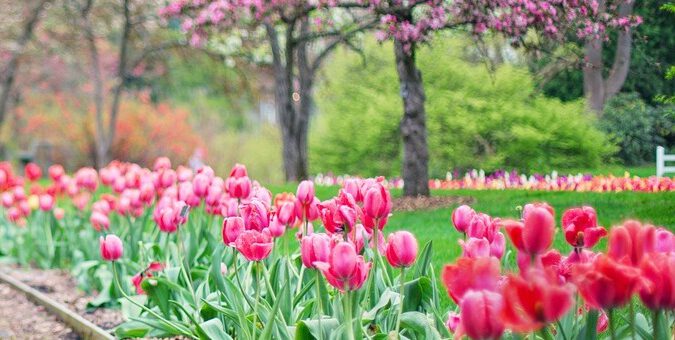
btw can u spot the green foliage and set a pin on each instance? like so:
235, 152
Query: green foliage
637, 127
474, 118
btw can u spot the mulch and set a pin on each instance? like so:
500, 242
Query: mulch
428, 203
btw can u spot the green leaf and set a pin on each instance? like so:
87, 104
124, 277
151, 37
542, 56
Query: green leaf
132, 329
424, 260
130, 310
589, 332
419, 323
267, 331
213, 329
309, 329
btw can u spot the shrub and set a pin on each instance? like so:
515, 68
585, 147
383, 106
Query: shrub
637, 128
474, 118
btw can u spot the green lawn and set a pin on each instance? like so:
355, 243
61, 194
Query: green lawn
434, 225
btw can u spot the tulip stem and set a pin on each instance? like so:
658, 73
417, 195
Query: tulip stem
146, 309
318, 302
257, 297
348, 315
655, 324
612, 330
632, 320
400, 303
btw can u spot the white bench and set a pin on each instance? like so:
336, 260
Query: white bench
661, 159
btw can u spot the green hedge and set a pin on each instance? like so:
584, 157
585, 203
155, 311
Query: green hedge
475, 118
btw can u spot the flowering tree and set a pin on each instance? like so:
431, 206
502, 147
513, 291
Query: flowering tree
290, 28
410, 23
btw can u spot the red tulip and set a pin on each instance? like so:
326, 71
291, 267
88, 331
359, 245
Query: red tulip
32, 172
468, 273
461, 217
605, 283
581, 227
137, 279
238, 171
254, 245
232, 228
56, 171
631, 241
658, 285
480, 314
535, 234
99, 221
401, 249
344, 270
535, 299
314, 248
305, 193
238, 187
111, 247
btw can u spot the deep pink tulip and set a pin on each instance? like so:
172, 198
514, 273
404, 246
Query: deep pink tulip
214, 194
161, 163
581, 227
480, 314
352, 186
87, 178
530, 206
99, 221
461, 217
468, 273
475, 247
305, 193
657, 290
286, 213
665, 241
46, 202
239, 187
377, 202
238, 171
254, 245
32, 172
453, 322
314, 248
200, 184
401, 249
535, 234
345, 270
255, 215
7, 199
232, 228
111, 247
56, 172
168, 221
183, 174
631, 241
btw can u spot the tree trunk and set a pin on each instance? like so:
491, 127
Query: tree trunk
8, 76
597, 89
413, 123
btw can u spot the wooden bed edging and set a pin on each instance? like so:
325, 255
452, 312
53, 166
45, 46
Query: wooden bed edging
86, 329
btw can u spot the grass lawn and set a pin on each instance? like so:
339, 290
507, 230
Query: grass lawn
434, 225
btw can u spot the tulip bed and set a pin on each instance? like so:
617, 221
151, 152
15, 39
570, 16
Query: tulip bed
192, 254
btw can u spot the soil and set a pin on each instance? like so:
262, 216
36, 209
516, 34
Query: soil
428, 203
61, 287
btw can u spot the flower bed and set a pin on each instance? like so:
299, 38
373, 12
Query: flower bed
502, 180
187, 253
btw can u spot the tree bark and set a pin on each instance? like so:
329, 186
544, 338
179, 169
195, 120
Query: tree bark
413, 123
8, 76
599, 90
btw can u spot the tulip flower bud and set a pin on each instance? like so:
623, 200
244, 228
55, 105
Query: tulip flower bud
461, 217
32, 172
305, 193
401, 249
480, 314
314, 248
111, 247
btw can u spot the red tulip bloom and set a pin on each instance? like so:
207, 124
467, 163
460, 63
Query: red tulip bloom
401, 249
535, 299
111, 247
581, 227
345, 270
631, 241
314, 248
480, 314
535, 234
137, 279
32, 172
468, 273
238, 187
605, 283
254, 245
377, 202
461, 217
658, 285
232, 228
56, 171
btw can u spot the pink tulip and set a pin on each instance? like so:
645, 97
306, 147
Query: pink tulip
352, 187
581, 227
200, 184
453, 322
46, 202
480, 314
161, 163
7, 199
286, 213
56, 171
232, 228
32, 172
59, 213
461, 217
468, 273
276, 228
665, 241
86, 178
254, 245
535, 235
475, 247
238, 171
255, 215
401, 249
314, 248
305, 193
239, 187
377, 202
344, 270
111, 247
99, 221
631, 242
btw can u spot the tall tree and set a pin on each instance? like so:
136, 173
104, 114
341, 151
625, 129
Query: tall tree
14, 52
299, 35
